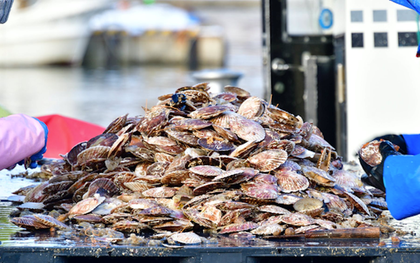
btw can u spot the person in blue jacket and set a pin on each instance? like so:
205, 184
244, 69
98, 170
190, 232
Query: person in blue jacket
399, 172
398, 175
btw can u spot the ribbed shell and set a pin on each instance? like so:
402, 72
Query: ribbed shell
260, 191
290, 181
206, 170
87, 205
160, 192
268, 230
252, 108
297, 219
269, 160
209, 112
238, 227
246, 129
319, 176
188, 238
50, 221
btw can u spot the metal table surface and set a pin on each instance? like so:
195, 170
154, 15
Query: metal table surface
44, 246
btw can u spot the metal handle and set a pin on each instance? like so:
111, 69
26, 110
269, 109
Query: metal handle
279, 65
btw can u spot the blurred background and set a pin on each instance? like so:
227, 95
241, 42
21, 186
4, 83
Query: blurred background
348, 66
98, 59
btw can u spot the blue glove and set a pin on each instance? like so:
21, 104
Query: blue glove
39, 155
401, 177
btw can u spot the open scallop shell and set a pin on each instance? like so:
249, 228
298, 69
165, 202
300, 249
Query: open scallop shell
188, 238
269, 160
290, 181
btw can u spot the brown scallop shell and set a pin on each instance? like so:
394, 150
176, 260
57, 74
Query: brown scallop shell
183, 136
238, 227
36, 194
157, 169
206, 170
28, 222
216, 144
297, 219
52, 188
260, 191
268, 230
319, 176
274, 209
358, 204
87, 205
190, 124
243, 149
241, 93
175, 177
209, 112
251, 108
207, 187
93, 154
225, 97
269, 160
50, 221
287, 199
138, 186
71, 156
229, 176
290, 181
160, 192
246, 129
335, 203
107, 187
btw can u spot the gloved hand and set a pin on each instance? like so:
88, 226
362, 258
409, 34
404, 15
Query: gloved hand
374, 175
31, 161
397, 139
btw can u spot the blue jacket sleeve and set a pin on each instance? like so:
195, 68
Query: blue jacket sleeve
401, 176
413, 143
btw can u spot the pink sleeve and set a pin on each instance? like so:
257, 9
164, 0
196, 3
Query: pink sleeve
21, 136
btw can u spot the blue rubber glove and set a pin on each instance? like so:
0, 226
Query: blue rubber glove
401, 177
39, 155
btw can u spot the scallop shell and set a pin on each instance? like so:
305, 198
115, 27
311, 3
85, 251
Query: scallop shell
225, 133
229, 176
104, 139
269, 160
358, 203
52, 188
268, 230
209, 112
216, 144
156, 211
141, 203
175, 177
309, 206
287, 199
157, 169
50, 221
28, 222
246, 129
188, 238
206, 170
183, 137
251, 108
241, 93
265, 178
207, 187
87, 205
104, 185
274, 209
290, 181
238, 227
297, 219
71, 156
225, 96
138, 186
93, 154
160, 192
260, 191
190, 124
319, 176
243, 149
335, 203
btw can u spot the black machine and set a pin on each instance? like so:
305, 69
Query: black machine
5, 6
301, 73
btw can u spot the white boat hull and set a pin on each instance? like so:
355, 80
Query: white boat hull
33, 38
